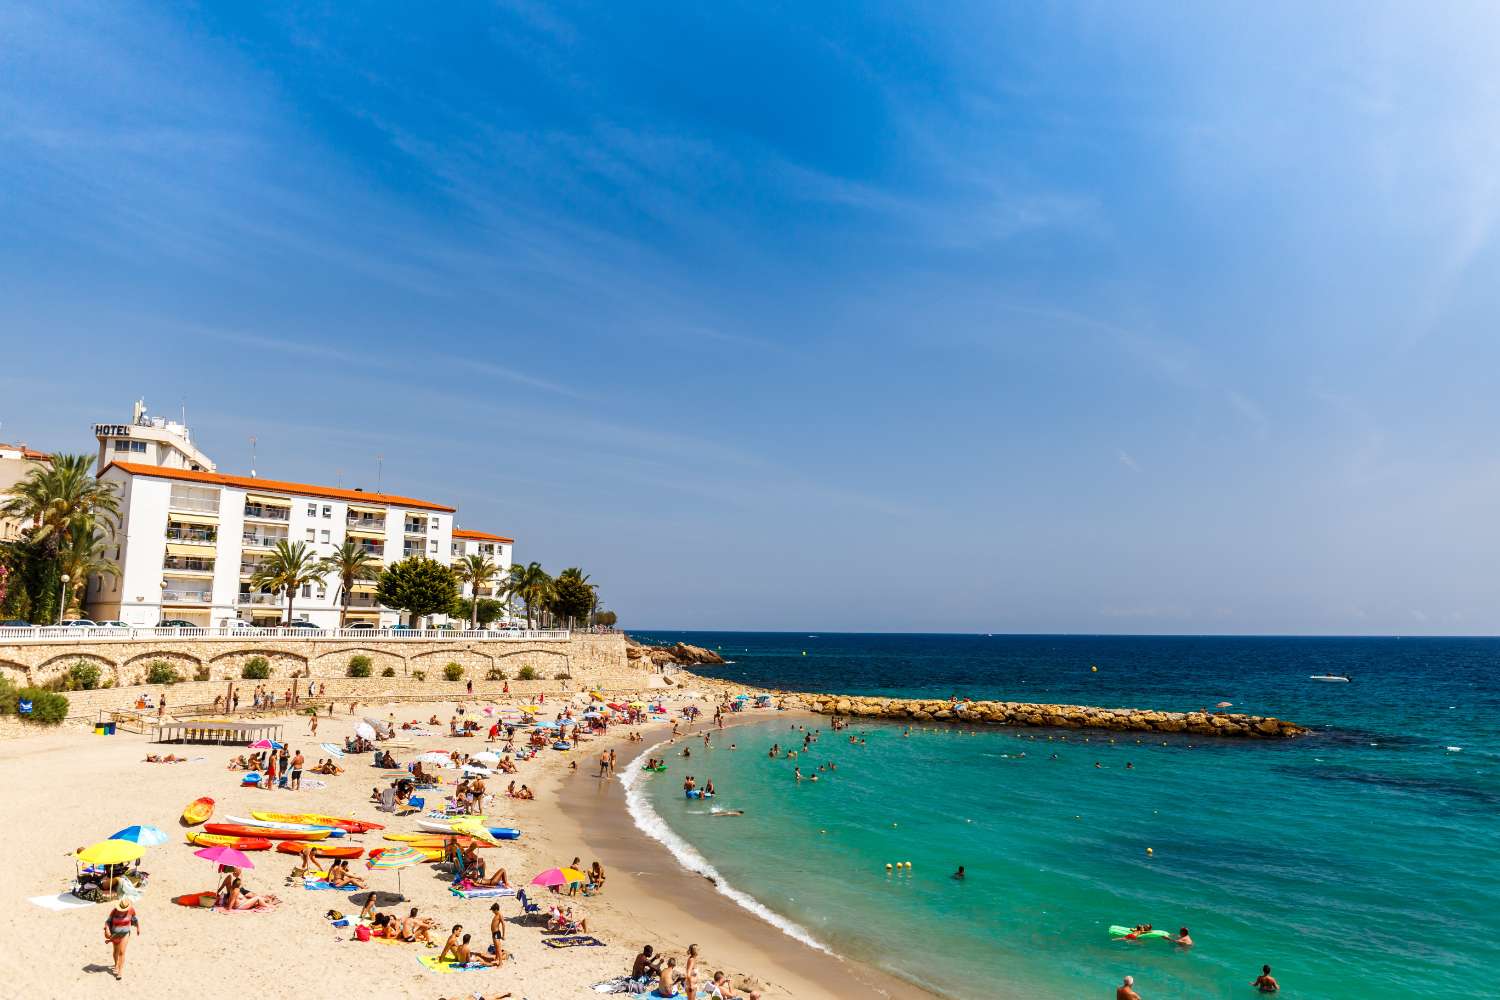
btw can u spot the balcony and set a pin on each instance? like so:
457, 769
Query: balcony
415, 527
187, 564
261, 512
407, 551
254, 540
262, 599
197, 536
357, 601
361, 523
197, 505
187, 597
373, 548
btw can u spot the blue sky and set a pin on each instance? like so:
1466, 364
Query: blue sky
1072, 317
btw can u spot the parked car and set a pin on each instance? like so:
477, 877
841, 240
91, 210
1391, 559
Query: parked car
398, 627
301, 623
240, 625
15, 623
114, 624
77, 623
369, 625
177, 623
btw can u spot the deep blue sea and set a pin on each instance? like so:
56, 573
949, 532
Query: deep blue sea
1360, 862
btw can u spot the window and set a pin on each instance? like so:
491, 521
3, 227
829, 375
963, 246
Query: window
121, 444
432, 547
307, 590
312, 510
139, 447
312, 536
195, 498
327, 512
322, 592
325, 536
434, 522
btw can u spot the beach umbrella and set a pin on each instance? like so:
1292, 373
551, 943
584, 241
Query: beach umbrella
550, 877
476, 829
110, 852
433, 757
532, 708
617, 706
742, 697
637, 704
266, 745
333, 748
225, 856
488, 755
146, 836
1225, 704
592, 715
397, 858
365, 730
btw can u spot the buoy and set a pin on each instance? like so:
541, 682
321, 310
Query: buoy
1093, 670
804, 652
1149, 852
887, 866
908, 866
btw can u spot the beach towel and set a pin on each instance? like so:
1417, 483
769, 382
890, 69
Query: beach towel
481, 892
431, 962
62, 901
313, 784
573, 941
317, 883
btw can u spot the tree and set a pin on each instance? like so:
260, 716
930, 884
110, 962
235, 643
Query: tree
56, 495
476, 571
418, 586
292, 566
82, 557
350, 563
606, 618
572, 597
488, 610
532, 585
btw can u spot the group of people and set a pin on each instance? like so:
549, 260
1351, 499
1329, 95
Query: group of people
1264, 983
650, 970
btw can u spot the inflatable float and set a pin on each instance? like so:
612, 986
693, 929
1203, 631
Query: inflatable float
1128, 934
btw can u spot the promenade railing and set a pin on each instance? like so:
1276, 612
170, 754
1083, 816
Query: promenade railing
117, 633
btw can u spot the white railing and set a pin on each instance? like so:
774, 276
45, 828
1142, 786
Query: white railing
196, 504
68, 633
259, 599
188, 596
261, 541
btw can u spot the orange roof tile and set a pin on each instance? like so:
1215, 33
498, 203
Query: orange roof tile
479, 536
275, 486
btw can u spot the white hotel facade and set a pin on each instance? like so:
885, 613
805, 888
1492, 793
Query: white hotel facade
190, 539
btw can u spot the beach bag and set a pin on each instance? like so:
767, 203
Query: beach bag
362, 932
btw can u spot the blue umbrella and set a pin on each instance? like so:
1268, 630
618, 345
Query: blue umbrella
147, 836
547, 725
742, 697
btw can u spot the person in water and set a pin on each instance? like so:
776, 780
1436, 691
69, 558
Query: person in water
960, 873
1184, 939
1126, 990
1265, 982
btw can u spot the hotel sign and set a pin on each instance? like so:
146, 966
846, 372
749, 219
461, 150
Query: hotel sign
111, 430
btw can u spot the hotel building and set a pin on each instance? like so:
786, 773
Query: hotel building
190, 537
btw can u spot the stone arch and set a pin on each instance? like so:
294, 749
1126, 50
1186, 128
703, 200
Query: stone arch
56, 666
227, 666
475, 663
546, 662
335, 662
18, 674
133, 670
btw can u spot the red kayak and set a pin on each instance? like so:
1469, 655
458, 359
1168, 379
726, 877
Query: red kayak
236, 830
319, 851
238, 843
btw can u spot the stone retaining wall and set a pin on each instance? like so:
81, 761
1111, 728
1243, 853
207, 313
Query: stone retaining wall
1009, 713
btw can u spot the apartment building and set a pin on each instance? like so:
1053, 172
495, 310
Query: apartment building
496, 548
16, 463
190, 539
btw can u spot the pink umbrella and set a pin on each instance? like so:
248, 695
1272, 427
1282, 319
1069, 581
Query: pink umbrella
225, 856
265, 745
550, 877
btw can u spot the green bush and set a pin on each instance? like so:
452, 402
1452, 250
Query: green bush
161, 672
453, 671
388, 672
359, 666
47, 707
7, 697
202, 672
562, 675
83, 676
494, 674
526, 674
257, 668
420, 675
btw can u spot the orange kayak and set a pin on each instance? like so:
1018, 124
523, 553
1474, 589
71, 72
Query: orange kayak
317, 819
319, 850
235, 830
221, 840
198, 811
203, 899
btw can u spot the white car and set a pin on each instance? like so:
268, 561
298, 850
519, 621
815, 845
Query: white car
114, 624
76, 623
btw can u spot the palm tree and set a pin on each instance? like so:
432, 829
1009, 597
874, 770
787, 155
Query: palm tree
54, 496
351, 562
82, 557
475, 570
291, 566
530, 583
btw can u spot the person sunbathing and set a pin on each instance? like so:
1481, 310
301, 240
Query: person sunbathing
564, 922
238, 764
498, 879
450, 947
463, 955
339, 876
414, 928
525, 793
242, 899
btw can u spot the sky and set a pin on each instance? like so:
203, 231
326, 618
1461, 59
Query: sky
1073, 317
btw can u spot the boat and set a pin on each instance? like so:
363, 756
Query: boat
236, 830
316, 819
224, 840
319, 850
272, 825
198, 811
1330, 678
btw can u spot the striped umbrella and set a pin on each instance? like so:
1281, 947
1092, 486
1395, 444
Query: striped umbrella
333, 748
146, 836
397, 858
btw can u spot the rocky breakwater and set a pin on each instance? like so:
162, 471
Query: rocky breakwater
1010, 713
681, 654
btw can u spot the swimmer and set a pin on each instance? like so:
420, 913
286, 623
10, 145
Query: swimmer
1126, 990
1184, 939
1265, 982
960, 873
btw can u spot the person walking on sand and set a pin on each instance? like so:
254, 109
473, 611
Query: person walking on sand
117, 926
312, 724
1126, 990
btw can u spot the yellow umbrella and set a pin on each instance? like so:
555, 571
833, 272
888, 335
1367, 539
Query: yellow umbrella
110, 852
574, 875
532, 708
474, 828
637, 704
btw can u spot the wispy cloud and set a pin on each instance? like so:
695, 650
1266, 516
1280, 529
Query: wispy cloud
1127, 461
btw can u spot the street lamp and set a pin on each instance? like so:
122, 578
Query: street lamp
62, 599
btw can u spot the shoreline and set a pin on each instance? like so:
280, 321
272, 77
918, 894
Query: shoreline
685, 905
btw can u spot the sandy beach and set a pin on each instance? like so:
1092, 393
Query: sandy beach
69, 788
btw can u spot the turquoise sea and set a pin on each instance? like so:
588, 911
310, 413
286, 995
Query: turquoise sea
1363, 861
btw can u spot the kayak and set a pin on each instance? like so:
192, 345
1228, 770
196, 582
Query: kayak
1329, 678
235, 830
342, 822
198, 811
417, 841
441, 826
266, 824
319, 851
200, 899
221, 840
